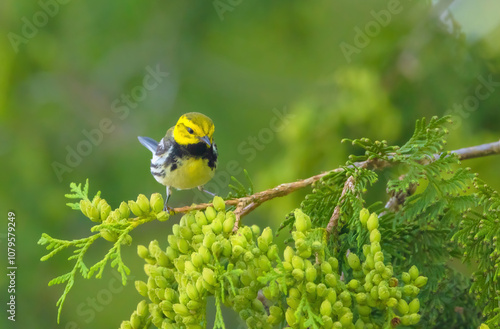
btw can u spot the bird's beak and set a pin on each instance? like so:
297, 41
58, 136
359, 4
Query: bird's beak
206, 140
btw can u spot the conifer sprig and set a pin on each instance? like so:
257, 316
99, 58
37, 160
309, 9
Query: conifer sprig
81, 246
478, 234
114, 226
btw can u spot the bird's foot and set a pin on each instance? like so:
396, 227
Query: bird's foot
170, 210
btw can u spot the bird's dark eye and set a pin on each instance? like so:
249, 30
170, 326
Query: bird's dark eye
190, 130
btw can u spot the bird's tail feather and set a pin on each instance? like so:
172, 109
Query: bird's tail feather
149, 143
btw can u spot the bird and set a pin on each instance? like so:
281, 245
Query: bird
186, 157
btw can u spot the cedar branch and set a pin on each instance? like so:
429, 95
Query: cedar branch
247, 204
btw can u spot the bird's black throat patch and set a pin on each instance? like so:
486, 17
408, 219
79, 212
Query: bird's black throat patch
198, 150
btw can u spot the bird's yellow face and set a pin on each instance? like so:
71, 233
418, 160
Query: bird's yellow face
193, 128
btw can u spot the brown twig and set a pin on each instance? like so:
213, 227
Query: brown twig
397, 199
332, 224
247, 204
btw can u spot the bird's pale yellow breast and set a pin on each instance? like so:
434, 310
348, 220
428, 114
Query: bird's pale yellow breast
190, 173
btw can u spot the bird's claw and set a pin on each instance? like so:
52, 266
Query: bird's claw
170, 210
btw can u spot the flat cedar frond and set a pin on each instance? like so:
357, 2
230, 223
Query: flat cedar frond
373, 149
478, 233
428, 139
115, 227
78, 193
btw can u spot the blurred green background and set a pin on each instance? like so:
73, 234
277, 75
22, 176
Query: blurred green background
283, 81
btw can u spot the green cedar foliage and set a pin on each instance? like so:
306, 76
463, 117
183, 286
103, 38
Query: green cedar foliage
354, 260
113, 225
477, 234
